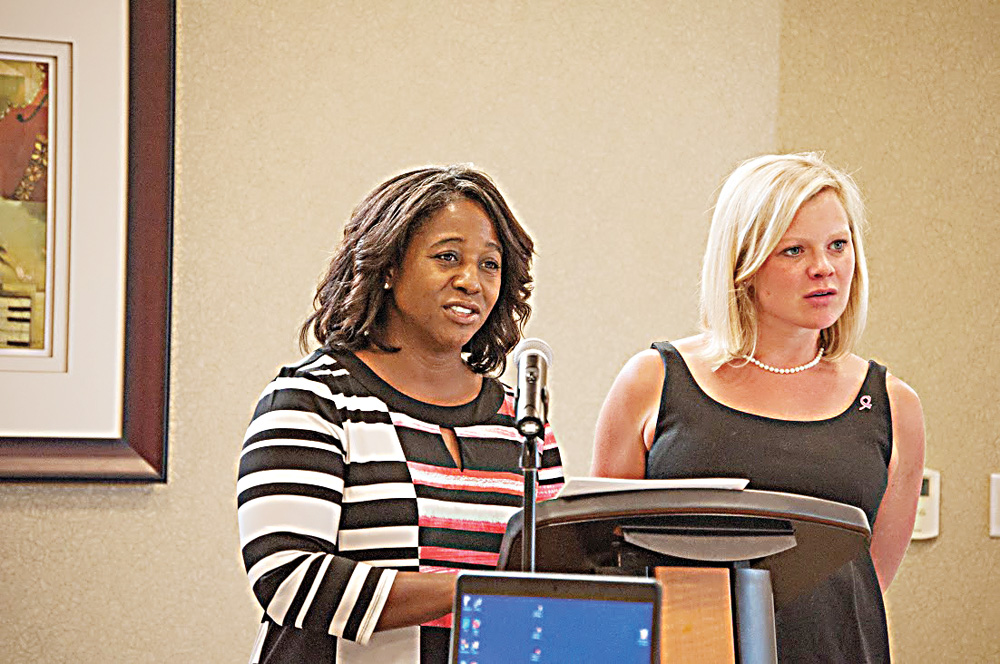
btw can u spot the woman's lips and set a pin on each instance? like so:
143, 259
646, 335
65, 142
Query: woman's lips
463, 313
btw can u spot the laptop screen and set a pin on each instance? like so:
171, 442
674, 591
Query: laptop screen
552, 618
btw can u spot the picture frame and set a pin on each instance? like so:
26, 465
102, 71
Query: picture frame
139, 453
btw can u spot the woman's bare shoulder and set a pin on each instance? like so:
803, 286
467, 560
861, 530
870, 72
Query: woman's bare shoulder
692, 349
903, 399
694, 344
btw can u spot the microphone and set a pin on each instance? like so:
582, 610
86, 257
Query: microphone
532, 357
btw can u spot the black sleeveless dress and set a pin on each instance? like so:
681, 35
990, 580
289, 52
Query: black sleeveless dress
844, 458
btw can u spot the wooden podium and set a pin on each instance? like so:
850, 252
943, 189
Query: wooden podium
726, 559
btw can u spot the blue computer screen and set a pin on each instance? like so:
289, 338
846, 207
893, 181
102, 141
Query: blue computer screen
500, 629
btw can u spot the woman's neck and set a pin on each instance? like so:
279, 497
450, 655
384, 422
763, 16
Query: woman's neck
786, 347
440, 379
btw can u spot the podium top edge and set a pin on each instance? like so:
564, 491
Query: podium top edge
748, 503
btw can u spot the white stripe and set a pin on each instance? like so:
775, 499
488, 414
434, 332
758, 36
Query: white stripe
489, 431
272, 562
258, 643
421, 476
296, 442
322, 360
383, 491
348, 599
289, 588
387, 647
328, 372
298, 383
550, 473
383, 537
307, 604
404, 420
289, 476
288, 419
301, 515
442, 509
379, 442
371, 616
395, 562
320, 389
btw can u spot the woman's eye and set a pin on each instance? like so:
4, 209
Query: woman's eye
491, 264
839, 245
447, 256
792, 251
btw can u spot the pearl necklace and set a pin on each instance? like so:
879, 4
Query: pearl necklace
808, 365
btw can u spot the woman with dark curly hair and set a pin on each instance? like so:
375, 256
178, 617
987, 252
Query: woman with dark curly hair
387, 460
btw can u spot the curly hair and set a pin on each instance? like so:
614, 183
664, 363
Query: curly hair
350, 303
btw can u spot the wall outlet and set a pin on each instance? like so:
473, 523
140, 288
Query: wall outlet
927, 522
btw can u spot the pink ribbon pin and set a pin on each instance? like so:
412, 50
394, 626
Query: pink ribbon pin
866, 403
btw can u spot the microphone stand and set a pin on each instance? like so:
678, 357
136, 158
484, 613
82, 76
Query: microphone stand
533, 357
530, 461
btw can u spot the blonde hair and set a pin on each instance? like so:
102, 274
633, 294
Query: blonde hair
755, 207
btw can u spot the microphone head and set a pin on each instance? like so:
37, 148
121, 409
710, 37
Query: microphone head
533, 346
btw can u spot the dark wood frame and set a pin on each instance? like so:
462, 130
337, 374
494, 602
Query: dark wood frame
141, 453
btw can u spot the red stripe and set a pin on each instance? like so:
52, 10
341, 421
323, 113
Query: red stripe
481, 488
448, 478
508, 405
459, 555
462, 524
455, 472
548, 491
443, 621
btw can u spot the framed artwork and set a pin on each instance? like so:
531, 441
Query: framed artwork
86, 205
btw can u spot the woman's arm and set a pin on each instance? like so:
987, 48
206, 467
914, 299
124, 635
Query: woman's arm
898, 509
626, 423
290, 494
416, 598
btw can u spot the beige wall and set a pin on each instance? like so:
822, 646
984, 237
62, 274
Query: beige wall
609, 126
906, 94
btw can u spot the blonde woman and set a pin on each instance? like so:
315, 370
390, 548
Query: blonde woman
771, 390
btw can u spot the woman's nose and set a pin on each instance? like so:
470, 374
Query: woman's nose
467, 279
822, 267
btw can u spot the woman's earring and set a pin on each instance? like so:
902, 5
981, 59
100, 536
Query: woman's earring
386, 285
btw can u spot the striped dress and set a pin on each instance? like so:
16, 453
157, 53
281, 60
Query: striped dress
343, 481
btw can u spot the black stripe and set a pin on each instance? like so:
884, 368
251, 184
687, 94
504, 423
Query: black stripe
472, 497
290, 457
434, 645
491, 454
551, 458
456, 565
365, 596
393, 553
268, 584
294, 434
296, 398
367, 416
330, 593
295, 606
262, 547
287, 489
388, 512
424, 447
377, 472
460, 539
